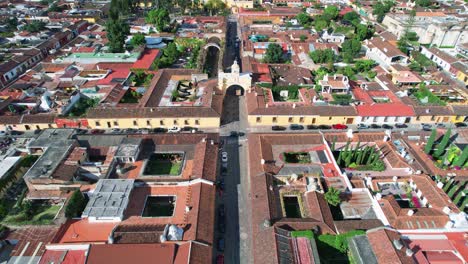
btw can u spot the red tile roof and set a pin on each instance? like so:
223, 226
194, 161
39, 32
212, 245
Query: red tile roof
381, 241
146, 60
132, 253
82, 231
64, 257
118, 71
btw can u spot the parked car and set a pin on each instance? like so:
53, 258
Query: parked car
173, 129
97, 131
385, 126
311, 127
339, 126
401, 126
3, 133
278, 128
145, 131
160, 130
80, 131
116, 131
440, 125
221, 211
460, 124
131, 131
426, 127
375, 126
189, 129
362, 126
324, 127
222, 225
296, 127
221, 244
220, 259
224, 156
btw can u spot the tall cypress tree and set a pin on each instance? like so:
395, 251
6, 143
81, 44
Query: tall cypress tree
430, 142
462, 158
443, 143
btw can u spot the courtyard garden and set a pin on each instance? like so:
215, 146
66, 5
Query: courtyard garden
281, 93
334, 248
140, 78
132, 96
358, 158
425, 97
81, 107
164, 164
159, 206
456, 189
444, 153
184, 92
296, 157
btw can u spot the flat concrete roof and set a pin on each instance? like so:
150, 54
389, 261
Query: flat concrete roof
48, 162
128, 147
56, 137
109, 199
6, 164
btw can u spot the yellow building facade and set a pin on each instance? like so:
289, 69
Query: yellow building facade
106, 123
267, 120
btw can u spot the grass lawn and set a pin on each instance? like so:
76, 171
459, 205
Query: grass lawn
334, 249
163, 164
44, 214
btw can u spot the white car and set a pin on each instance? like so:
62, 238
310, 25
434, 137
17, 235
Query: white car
224, 156
173, 129
3, 133
362, 126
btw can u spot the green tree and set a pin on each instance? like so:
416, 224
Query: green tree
323, 56
117, 29
331, 12
274, 54
423, 3
76, 204
320, 23
55, 8
380, 9
28, 209
12, 24
333, 196
214, 6
350, 49
430, 142
443, 143
352, 17
35, 26
183, 4
138, 39
364, 65
364, 32
159, 18
463, 158
303, 18
303, 38
404, 42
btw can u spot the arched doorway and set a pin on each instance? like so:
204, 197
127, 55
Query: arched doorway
233, 98
211, 54
235, 90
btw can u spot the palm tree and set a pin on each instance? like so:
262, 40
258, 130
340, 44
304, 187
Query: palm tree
214, 5
333, 196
